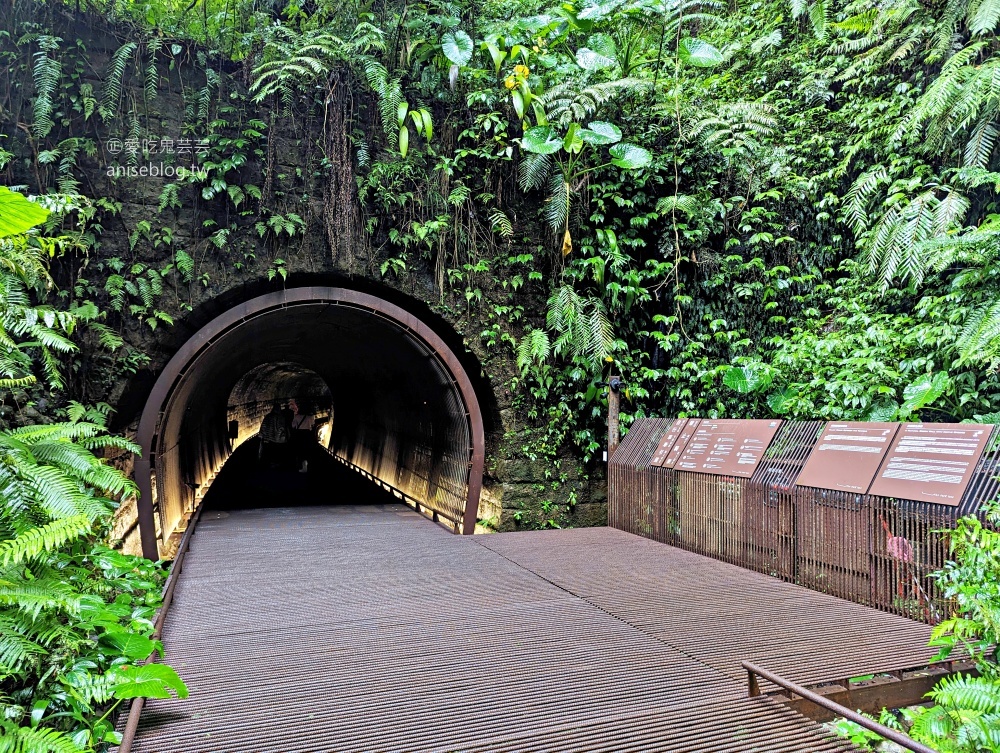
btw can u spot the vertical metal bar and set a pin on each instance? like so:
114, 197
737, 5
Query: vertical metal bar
614, 404
144, 510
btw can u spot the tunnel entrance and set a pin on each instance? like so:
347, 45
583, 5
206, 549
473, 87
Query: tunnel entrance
402, 408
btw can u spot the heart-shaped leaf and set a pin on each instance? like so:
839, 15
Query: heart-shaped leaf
630, 156
598, 10
541, 140
600, 133
17, 214
744, 379
135, 647
696, 52
457, 47
780, 401
923, 391
147, 681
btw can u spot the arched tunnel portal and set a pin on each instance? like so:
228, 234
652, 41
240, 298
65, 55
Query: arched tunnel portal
403, 408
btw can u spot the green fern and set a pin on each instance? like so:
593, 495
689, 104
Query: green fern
583, 330
533, 348
47, 74
292, 60
35, 541
114, 83
568, 102
17, 739
534, 170
558, 202
151, 84
500, 223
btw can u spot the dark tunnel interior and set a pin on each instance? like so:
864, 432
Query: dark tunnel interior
387, 400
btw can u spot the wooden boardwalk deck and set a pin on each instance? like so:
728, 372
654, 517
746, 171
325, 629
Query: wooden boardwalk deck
369, 628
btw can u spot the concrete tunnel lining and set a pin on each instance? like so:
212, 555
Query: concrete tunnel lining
382, 363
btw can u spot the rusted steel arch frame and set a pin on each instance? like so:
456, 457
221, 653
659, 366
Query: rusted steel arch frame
186, 359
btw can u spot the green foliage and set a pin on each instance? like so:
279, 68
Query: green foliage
74, 614
782, 209
17, 214
964, 716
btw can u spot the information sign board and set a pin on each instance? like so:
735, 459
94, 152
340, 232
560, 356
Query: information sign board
931, 462
847, 456
727, 447
674, 441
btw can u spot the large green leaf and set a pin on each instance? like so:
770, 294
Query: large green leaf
17, 214
457, 47
591, 60
131, 645
595, 11
541, 140
404, 141
923, 391
744, 379
147, 681
600, 133
696, 52
780, 401
573, 142
630, 156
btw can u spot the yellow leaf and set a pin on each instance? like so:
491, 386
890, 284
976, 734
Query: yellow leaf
567, 248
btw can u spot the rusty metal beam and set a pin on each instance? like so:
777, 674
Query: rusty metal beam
880, 729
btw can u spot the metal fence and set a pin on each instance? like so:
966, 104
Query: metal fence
868, 549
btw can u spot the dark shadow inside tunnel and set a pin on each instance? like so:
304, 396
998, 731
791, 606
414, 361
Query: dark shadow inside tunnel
394, 403
246, 481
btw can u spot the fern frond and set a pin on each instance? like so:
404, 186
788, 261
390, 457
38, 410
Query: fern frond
978, 694
114, 83
980, 338
46, 538
17, 739
533, 348
566, 103
534, 170
500, 223
558, 201
680, 203
47, 73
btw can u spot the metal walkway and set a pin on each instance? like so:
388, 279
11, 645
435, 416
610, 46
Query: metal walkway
372, 629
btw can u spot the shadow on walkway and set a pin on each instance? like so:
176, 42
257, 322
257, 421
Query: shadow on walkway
246, 482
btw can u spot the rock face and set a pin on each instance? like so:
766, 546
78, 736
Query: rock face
201, 198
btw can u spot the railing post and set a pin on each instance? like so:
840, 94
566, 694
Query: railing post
614, 403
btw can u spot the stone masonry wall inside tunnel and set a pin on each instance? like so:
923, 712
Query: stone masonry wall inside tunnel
257, 391
406, 411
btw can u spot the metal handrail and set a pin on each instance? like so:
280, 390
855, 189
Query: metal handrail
135, 710
753, 671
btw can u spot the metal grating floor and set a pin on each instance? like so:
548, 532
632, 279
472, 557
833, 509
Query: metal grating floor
370, 628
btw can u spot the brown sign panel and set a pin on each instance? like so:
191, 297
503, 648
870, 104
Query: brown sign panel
674, 441
728, 447
931, 462
847, 456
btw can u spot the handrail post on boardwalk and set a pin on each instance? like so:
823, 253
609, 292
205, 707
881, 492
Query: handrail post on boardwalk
614, 405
